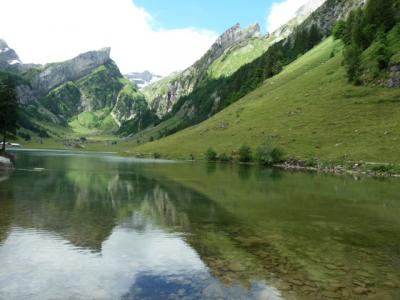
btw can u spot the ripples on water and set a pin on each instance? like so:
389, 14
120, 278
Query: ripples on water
104, 227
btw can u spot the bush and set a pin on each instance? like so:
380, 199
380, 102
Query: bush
382, 168
268, 155
224, 157
339, 30
156, 155
211, 155
245, 154
352, 60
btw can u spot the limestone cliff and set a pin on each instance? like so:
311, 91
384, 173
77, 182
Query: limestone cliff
164, 94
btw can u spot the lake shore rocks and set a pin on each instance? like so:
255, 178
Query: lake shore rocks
6, 161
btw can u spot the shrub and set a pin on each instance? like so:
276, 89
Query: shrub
156, 155
382, 168
352, 60
211, 155
339, 30
245, 154
268, 155
224, 157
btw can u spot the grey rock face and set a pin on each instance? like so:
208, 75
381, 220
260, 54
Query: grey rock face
394, 79
184, 84
56, 74
330, 12
142, 79
8, 57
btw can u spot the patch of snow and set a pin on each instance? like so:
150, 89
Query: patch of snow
14, 62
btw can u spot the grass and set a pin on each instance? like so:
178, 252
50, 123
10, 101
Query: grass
309, 110
238, 56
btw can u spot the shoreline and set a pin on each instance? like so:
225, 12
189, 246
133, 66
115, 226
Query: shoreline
358, 169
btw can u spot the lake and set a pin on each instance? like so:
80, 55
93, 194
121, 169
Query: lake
98, 226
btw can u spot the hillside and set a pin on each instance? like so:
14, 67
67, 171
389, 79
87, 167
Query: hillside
86, 95
310, 111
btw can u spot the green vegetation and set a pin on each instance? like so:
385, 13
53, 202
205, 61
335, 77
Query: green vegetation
211, 155
245, 154
309, 110
8, 108
238, 56
365, 33
132, 108
63, 101
269, 155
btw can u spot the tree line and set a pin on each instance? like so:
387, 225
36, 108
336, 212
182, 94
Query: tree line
362, 28
8, 108
245, 79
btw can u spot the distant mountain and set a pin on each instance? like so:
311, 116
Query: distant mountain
163, 94
143, 79
9, 59
234, 48
87, 93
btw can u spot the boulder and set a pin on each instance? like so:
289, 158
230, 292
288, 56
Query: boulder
394, 78
5, 163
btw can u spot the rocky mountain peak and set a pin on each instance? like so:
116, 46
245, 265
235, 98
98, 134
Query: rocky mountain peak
233, 36
8, 57
236, 34
142, 79
70, 70
3, 44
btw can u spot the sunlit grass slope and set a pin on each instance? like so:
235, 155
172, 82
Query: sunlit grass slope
309, 110
238, 56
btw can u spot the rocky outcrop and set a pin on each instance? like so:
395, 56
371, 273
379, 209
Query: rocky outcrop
142, 79
6, 163
9, 59
394, 77
54, 75
163, 95
325, 16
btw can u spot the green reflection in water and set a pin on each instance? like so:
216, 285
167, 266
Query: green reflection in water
309, 235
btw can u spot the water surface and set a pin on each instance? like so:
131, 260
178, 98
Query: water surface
97, 226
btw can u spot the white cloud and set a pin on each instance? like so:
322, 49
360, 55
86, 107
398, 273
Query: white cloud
285, 10
43, 31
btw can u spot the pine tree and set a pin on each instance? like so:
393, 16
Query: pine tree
352, 60
380, 14
8, 108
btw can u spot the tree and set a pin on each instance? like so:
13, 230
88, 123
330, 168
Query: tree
268, 155
8, 108
352, 61
339, 30
245, 154
380, 14
382, 51
211, 155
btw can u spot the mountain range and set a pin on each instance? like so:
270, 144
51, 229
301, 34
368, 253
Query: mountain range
88, 95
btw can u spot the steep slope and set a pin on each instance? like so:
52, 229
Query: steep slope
213, 94
163, 95
87, 94
234, 48
309, 110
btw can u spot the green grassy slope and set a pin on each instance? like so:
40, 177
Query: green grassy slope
238, 56
309, 110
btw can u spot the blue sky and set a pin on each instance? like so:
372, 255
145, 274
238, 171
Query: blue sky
215, 15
